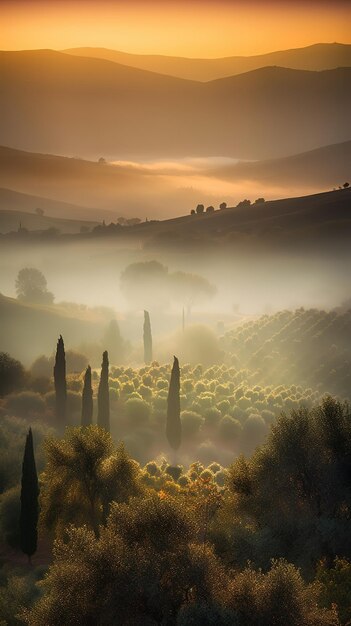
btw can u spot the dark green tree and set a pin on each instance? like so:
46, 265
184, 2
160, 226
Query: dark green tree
29, 500
60, 385
103, 418
87, 399
173, 425
147, 338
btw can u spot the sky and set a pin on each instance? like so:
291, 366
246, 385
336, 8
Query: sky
193, 28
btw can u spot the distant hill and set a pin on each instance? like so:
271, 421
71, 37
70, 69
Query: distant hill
28, 330
92, 107
54, 183
16, 208
323, 167
323, 56
11, 220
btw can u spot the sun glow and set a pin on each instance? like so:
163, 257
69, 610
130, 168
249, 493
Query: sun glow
195, 29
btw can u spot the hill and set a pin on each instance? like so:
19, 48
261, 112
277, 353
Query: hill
11, 200
320, 221
304, 347
54, 183
318, 57
12, 220
92, 107
28, 330
328, 166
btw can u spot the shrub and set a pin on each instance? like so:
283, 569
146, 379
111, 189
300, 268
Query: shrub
229, 428
137, 411
25, 404
191, 423
12, 374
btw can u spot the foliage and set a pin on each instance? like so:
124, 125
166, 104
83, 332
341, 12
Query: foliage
83, 474
304, 347
308, 451
31, 286
336, 587
12, 374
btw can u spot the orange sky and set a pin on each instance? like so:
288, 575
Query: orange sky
181, 27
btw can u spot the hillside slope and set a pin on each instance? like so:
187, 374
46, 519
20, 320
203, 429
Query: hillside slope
323, 167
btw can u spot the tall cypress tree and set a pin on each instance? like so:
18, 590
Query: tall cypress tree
60, 385
147, 338
29, 500
173, 425
103, 418
87, 399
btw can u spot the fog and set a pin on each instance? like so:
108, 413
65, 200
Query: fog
239, 285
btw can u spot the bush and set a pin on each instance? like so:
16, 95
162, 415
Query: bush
12, 374
10, 507
25, 404
229, 428
191, 423
137, 411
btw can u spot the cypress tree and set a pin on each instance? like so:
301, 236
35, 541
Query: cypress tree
87, 399
147, 338
103, 418
173, 425
60, 385
29, 500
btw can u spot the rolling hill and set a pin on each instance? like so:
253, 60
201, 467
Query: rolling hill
322, 56
28, 330
318, 222
16, 207
323, 167
12, 220
58, 103
66, 187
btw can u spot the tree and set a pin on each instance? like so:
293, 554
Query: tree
200, 209
147, 336
223, 206
243, 204
346, 185
173, 424
84, 473
31, 286
310, 450
60, 385
210, 209
114, 343
145, 284
103, 418
12, 374
260, 201
192, 212
190, 288
87, 399
29, 500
